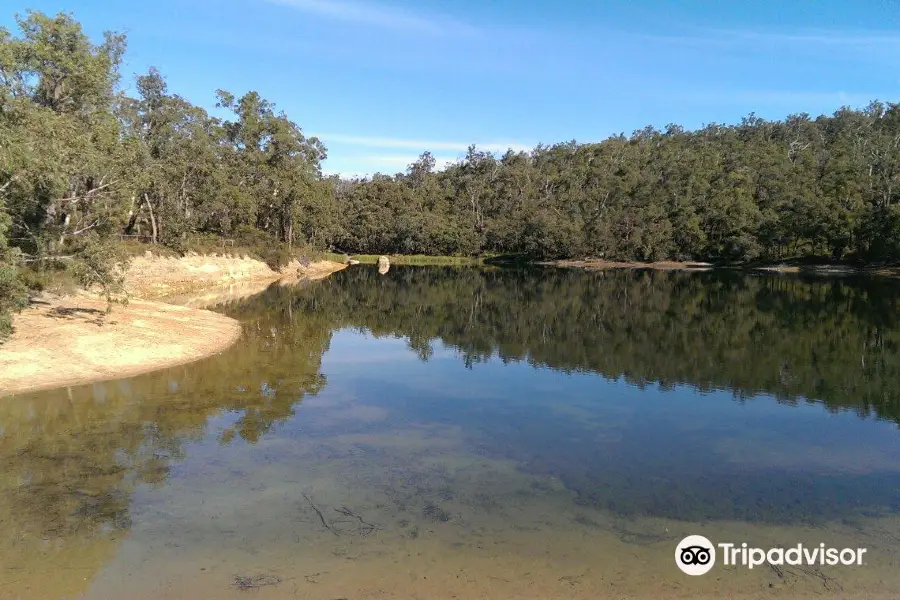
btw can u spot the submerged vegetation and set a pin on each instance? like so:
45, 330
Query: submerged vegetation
83, 166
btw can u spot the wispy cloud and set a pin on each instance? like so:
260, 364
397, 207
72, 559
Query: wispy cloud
806, 38
779, 98
818, 37
373, 13
403, 160
422, 145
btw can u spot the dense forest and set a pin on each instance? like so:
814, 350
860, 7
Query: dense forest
83, 165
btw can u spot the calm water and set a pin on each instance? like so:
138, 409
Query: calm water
464, 433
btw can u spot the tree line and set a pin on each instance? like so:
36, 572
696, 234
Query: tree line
83, 164
760, 190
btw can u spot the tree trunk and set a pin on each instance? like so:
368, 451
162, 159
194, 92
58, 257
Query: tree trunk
65, 225
132, 218
153, 228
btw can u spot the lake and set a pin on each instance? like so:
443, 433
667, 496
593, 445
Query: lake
476, 433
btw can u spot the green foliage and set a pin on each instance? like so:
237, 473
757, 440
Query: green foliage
100, 265
263, 246
83, 165
62, 163
759, 190
12, 296
12, 288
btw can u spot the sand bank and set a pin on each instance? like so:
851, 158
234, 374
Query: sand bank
152, 276
62, 341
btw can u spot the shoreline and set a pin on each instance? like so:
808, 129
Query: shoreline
818, 269
62, 341
600, 265
65, 341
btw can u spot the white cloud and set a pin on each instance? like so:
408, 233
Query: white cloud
420, 145
372, 13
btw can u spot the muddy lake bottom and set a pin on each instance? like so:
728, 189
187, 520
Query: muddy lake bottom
461, 433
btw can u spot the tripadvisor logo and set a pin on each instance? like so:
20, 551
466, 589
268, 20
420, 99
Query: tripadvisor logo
696, 555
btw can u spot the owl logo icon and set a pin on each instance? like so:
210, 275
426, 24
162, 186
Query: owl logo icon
695, 555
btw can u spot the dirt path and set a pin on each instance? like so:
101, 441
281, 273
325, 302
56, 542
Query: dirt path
62, 341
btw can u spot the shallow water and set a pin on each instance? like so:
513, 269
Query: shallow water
465, 433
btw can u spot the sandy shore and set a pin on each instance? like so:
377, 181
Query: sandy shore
155, 277
73, 340
61, 341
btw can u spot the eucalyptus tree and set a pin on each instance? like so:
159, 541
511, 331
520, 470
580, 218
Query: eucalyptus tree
172, 159
82, 163
276, 169
64, 170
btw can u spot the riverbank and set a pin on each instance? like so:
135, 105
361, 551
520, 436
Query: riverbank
152, 276
821, 269
420, 260
599, 264
75, 339
824, 269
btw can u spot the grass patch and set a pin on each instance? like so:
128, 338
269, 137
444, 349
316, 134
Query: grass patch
414, 259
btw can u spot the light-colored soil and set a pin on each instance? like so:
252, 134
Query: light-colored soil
151, 276
316, 270
67, 341
61, 341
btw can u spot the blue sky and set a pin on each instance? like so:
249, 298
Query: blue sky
380, 81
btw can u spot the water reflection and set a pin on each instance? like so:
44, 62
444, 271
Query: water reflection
71, 460
658, 399
829, 340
